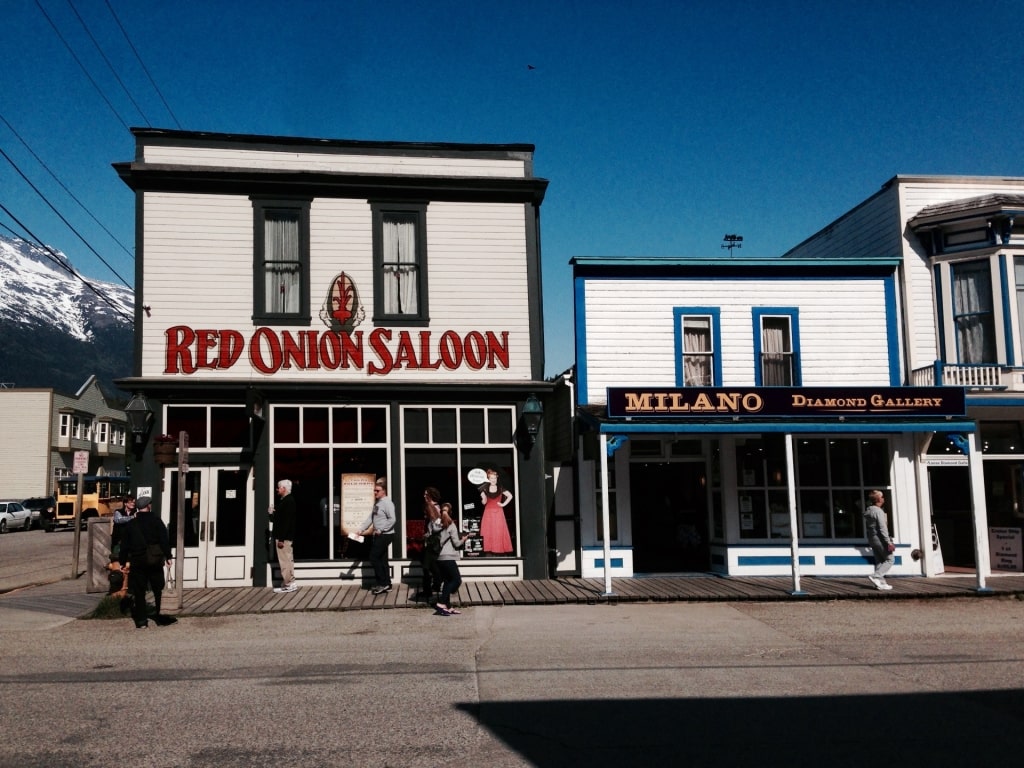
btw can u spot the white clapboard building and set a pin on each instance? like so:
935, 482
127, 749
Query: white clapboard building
331, 312
734, 412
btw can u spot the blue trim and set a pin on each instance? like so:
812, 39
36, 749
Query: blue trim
1004, 284
892, 332
580, 301
757, 313
856, 560
616, 562
678, 313
793, 427
994, 401
940, 313
781, 264
749, 560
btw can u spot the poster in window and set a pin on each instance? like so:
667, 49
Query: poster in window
814, 524
356, 500
780, 525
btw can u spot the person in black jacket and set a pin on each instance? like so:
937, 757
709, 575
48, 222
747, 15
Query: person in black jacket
284, 532
143, 564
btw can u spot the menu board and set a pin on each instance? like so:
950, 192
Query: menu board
356, 500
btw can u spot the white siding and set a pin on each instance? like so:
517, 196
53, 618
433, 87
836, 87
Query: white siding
25, 448
199, 274
630, 333
282, 160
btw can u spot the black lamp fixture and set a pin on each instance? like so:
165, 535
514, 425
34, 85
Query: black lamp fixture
533, 414
139, 416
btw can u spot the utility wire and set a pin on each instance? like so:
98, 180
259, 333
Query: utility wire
107, 61
56, 259
62, 186
142, 64
82, 66
52, 208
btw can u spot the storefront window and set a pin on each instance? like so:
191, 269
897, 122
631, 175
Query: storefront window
833, 475
314, 446
452, 449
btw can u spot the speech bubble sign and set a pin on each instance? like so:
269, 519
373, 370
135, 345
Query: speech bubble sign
477, 476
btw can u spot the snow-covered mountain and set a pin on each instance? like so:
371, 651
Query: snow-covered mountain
56, 331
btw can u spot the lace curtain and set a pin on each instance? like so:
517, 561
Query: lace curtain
972, 303
401, 268
283, 269
776, 360
697, 352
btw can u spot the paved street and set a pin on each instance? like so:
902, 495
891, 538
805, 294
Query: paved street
911, 683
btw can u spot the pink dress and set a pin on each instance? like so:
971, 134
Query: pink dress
493, 528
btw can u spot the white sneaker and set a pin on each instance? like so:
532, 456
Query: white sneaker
290, 587
884, 585
875, 580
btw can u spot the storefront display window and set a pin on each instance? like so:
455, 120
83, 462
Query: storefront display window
313, 446
833, 476
451, 448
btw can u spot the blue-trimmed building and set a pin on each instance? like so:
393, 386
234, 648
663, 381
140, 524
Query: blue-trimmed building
744, 407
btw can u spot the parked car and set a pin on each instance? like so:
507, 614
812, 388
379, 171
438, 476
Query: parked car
44, 509
14, 515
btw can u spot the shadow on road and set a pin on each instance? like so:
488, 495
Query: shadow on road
933, 730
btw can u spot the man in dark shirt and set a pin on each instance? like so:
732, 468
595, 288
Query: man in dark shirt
145, 549
284, 533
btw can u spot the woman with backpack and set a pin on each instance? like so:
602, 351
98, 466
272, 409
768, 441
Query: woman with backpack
431, 542
448, 560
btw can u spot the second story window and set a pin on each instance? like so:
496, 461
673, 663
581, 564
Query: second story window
281, 262
697, 343
972, 313
400, 264
776, 348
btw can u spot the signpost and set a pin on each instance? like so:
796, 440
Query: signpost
80, 467
179, 548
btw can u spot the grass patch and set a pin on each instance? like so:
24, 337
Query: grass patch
109, 608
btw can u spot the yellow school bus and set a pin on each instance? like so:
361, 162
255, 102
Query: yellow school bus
101, 495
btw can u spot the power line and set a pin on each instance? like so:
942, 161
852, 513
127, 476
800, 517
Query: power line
82, 66
62, 186
109, 65
57, 260
142, 64
52, 208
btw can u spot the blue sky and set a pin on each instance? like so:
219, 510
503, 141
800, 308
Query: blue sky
661, 126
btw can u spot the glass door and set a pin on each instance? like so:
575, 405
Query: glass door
217, 529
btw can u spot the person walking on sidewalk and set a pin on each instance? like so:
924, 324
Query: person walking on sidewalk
284, 532
877, 530
145, 549
381, 526
448, 561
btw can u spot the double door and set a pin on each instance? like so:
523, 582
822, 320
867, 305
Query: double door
216, 525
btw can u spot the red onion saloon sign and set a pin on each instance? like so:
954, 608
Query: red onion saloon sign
706, 402
378, 352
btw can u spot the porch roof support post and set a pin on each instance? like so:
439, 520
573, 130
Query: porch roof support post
605, 514
793, 526
980, 512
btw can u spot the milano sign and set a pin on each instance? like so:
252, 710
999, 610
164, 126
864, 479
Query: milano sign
787, 402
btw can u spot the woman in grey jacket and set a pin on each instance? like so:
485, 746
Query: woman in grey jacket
448, 561
877, 531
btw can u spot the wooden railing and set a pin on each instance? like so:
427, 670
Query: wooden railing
969, 376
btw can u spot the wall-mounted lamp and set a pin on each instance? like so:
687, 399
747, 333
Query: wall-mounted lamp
533, 414
139, 416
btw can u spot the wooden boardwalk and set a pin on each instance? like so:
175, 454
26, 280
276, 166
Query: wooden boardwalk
691, 588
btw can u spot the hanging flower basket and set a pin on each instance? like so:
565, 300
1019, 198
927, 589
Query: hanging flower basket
165, 450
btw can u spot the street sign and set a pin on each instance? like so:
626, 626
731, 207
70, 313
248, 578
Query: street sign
81, 463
